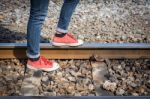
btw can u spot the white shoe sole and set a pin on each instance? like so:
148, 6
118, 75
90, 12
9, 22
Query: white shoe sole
55, 67
80, 42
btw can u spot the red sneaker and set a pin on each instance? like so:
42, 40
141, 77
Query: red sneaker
42, 64
68, 40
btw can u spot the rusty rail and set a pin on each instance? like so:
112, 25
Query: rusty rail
104, 50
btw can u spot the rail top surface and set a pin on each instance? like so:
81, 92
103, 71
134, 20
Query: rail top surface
87, 45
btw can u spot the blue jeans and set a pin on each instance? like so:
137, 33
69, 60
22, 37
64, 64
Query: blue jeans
38, 12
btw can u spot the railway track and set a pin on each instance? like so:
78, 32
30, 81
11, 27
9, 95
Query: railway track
107, 50
111, 51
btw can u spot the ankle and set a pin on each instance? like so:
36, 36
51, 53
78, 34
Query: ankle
60, 34
34, 59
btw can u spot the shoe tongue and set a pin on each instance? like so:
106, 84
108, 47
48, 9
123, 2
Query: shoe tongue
43, 60
70, 35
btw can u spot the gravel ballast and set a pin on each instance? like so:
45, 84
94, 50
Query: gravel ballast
75, 78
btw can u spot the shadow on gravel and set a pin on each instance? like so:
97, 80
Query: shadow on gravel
8, 36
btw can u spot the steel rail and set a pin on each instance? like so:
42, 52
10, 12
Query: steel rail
104, 50
79, 97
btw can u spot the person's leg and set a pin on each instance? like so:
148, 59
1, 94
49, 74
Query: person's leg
62, 37
38, 12
65, 15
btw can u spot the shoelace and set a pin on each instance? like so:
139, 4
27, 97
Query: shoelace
46, 61
70, 35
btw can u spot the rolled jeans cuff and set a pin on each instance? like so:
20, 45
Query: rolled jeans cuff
61, 30
32, 56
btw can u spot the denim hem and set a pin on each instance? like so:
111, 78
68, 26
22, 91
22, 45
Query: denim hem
61, 30
32, 56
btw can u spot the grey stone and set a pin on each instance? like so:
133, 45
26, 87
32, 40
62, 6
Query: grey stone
120, 91
49, 93
30, 90
111, 86
45, 78
91, 87
72, 79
